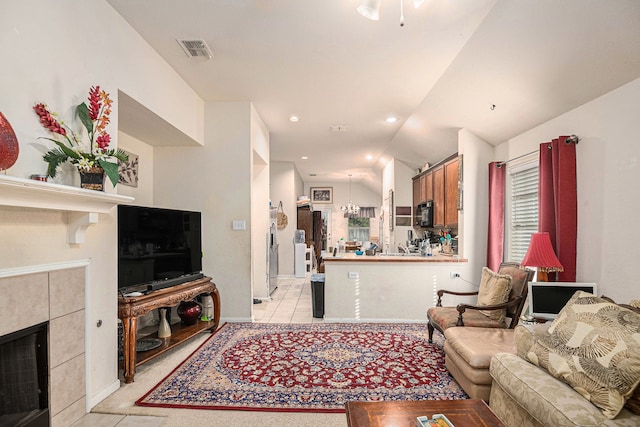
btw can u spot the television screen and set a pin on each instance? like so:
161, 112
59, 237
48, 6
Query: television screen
546, 299
158, 247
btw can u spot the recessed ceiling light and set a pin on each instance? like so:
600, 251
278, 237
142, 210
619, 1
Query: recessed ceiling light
391, 119
304, 157
294, 119
369, 157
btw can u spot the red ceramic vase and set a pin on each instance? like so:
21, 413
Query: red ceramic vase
8, 144
189, 312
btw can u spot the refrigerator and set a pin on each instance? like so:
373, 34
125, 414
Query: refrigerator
272, 251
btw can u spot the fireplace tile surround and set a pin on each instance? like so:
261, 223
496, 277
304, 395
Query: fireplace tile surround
56, 296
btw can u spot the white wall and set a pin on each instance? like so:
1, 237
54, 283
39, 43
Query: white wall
215, 179
473, 221
360, 195
607, 175
387, 240
259, 205
143, 193
45, 60
402, 196
282, 189
396, 176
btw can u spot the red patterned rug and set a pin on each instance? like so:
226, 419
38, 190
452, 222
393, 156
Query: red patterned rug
307, 368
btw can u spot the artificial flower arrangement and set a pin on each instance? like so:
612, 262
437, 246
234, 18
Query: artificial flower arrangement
70, 146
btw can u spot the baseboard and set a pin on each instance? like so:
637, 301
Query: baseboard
103, 394
352, 320
235, 320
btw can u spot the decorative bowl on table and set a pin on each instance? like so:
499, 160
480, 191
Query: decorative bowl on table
189, 312
359, 252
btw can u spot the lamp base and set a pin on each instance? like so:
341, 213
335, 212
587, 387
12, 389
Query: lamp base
543, 276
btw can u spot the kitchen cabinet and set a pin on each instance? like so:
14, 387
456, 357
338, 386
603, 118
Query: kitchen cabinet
451, 194
440, 184
427, 188
438, 196
422, 191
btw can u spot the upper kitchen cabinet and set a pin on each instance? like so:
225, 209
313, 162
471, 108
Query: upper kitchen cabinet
438, 196
451, 193
440, 184
427, 188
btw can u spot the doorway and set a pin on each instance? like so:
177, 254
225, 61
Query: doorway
326, 229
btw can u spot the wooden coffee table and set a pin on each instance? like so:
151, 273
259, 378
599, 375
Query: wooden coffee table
462, 413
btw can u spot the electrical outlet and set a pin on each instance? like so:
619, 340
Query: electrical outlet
454, 275
353, 275
239, 225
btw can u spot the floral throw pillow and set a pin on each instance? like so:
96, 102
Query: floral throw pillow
594, 346
494, 289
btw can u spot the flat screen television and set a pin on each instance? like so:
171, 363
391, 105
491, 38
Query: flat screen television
546, 299
157, 248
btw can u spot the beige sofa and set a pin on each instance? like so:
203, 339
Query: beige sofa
524, 394
468, 353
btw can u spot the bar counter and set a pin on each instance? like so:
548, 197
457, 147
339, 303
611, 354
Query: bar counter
380, 257
387, 288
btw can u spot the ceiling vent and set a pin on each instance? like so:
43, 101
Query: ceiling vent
195, 48
339, 128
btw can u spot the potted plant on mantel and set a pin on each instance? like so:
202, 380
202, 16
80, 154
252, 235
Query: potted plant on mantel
94, 161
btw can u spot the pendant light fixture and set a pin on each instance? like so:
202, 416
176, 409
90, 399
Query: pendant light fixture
371, 9
350, 209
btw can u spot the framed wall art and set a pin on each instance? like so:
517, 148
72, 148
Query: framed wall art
321, 194
128, 171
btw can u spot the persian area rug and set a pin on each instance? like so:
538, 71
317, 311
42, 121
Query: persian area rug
307, 368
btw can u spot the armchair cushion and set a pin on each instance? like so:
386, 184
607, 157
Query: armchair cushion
594, 346
447, 317
494, 289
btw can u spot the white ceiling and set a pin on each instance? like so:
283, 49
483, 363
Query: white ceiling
442, 71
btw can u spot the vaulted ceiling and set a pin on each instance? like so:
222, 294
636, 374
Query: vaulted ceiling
495, 67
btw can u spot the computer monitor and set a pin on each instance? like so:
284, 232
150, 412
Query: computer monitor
546, 299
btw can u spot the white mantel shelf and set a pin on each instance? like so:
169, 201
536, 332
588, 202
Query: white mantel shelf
83, 205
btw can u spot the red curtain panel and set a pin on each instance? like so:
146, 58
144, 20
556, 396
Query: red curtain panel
495, 238
558, 204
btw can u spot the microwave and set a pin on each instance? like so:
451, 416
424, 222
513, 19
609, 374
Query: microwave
425, 217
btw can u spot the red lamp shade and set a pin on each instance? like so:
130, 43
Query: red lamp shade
540, 254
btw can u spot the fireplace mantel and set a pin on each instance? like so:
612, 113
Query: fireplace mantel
83, 205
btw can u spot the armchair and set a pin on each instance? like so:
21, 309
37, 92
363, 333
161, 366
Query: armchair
482, 314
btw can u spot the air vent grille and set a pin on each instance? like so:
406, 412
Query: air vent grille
339, 128
195, 48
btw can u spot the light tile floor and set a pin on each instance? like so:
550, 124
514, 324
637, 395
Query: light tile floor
289, 303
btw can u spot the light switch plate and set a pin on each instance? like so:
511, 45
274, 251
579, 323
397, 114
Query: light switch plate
239, 225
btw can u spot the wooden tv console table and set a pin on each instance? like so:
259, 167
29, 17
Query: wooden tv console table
132, 307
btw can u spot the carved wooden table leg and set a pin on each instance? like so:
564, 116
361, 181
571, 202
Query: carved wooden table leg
130, 326
216, 308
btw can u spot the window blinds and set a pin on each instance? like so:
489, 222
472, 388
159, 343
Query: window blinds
524, 211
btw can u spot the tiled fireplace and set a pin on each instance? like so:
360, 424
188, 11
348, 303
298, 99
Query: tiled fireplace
57, 295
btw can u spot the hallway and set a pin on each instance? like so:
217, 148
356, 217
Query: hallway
290, 303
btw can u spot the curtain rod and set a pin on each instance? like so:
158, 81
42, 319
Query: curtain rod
499, 165
569, 140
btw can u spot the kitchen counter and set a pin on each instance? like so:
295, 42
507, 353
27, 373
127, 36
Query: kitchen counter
388, 288
352, 257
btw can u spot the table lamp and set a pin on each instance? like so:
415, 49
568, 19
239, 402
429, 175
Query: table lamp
541, 255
